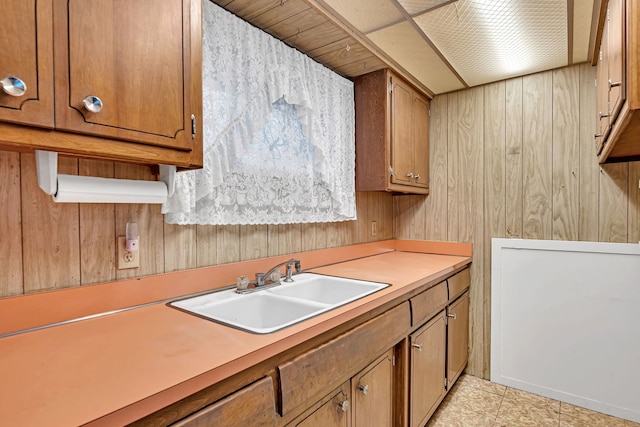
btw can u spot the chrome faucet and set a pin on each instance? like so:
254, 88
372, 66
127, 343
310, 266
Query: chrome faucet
268, 279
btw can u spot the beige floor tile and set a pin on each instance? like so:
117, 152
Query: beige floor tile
474, 400
519, 413
575, 416
461, 417
482, 384
524, 398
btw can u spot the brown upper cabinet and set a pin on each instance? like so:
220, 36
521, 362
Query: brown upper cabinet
392, 135
115, 80
618, 83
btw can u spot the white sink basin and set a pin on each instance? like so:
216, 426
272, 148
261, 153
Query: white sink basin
276, 308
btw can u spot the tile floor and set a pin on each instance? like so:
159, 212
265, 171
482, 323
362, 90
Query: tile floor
474, 402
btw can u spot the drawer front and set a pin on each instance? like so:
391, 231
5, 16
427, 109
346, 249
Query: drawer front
330, 364
459, 283
253, 405
428, 303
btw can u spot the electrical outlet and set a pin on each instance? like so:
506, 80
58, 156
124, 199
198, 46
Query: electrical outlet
127, 259
374, 228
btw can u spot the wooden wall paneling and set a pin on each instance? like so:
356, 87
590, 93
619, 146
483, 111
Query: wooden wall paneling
614, 205
385, 212
290, 238
494, 196
10, 225
470, 221
566, 149
206, 248
589, 175
409, 217
253, 242
634, 203
179, 247
513, 157
435, 204
227, 244
97, 230
150, 226
50, 232
537, 156
314, 236
363, 227
273, 240
454, 199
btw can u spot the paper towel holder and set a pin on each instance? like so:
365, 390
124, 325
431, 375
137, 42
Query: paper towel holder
47, 169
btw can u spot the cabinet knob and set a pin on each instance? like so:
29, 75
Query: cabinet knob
410, 175
364, 389
344, 406
92, 104
453, 316
417, 177
614, 84
13, 86
418, 346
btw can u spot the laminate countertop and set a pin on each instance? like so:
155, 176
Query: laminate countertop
114, 368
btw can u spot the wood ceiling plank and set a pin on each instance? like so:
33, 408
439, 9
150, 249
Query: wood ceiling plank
278, 14
336, 53
296, 24
316, 37
248, 9
361, 67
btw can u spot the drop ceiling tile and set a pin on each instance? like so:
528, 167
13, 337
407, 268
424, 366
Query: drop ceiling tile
407, 47
417, 6
490, 40
582, 12
367, 15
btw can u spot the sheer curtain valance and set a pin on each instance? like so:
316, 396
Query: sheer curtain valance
278, 134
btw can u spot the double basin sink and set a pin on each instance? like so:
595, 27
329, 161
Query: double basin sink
272, 309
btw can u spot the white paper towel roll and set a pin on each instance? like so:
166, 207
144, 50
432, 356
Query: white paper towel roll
89, 189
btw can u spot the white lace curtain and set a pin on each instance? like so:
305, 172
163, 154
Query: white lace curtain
278, 134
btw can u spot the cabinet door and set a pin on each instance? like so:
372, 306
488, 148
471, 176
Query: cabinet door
616, 31
421, 141
372, 392
428, 346
602, 91
27, 54
253, 405
335, 412
135, 57
457, 338
401, 133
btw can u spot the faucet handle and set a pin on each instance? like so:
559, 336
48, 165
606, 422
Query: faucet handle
242, 282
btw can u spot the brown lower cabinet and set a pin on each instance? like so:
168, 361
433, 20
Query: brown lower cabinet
365, 400
389, 370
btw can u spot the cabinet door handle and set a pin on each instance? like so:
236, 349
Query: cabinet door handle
344, 406
417, 177
614, 84
410, 175
597, 135
453, 316
364, 389
13, 86
603, 115
418, 346
92, 104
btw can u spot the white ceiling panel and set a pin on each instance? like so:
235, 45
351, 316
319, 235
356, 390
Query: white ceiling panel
489, 40
417, 6
406, 46
367, 15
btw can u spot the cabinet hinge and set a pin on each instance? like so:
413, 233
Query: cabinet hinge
595, 82
446, 320
390, 87
429, 112
393, 360
608, 14
446, 383
390, 171
193, 126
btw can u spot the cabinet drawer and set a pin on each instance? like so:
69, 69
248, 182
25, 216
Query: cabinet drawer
253, 405
330, 364
426, 304
459, 283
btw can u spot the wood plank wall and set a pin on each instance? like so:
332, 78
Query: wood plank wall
45, 246
516, 159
